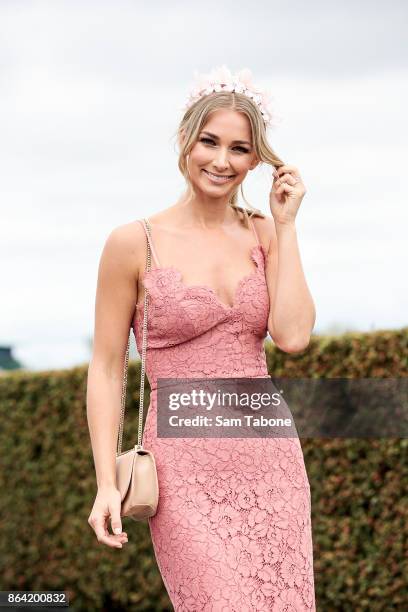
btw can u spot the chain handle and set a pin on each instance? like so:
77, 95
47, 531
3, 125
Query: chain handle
142, 372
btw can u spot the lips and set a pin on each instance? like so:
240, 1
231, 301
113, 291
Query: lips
219, 178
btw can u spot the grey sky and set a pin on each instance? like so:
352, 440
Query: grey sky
91, 94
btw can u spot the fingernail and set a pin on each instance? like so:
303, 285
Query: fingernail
117, 530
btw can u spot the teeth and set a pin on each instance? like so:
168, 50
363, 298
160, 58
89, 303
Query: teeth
218, 177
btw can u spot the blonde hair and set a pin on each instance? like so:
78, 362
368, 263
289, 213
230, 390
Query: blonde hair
194, 120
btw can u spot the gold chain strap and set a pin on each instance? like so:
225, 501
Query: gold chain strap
142, 372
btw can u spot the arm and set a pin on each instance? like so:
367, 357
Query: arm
116, 296
292, 312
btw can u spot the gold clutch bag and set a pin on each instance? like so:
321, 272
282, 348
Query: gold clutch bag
136, 473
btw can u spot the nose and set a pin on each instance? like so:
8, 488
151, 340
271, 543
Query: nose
220, 161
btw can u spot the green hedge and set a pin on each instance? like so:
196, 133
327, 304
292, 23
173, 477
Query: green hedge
359, 491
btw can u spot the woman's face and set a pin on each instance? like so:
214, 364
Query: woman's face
224, 148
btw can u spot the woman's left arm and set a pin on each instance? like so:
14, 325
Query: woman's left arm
292, 312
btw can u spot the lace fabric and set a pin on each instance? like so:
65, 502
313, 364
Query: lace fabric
232, 530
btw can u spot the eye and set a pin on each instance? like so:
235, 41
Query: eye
210, 140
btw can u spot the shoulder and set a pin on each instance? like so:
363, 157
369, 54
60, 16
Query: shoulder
126, 237
126, 244
265, 228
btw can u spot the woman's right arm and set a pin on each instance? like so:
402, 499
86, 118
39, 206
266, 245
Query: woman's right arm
116, 296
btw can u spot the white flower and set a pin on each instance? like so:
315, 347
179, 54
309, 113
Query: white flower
240, 87
222, 75
221, 79
245, 76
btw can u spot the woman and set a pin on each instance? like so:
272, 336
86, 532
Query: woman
232, 529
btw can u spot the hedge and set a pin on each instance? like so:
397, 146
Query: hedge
47, 479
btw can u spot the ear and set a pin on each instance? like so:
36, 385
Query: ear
255, 163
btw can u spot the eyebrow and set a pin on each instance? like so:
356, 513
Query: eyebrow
234, 141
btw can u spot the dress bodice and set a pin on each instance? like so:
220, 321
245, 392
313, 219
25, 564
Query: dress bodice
191, 333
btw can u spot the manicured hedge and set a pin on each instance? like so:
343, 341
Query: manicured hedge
359, 491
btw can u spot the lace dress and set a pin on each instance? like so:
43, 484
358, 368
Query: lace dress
232, 532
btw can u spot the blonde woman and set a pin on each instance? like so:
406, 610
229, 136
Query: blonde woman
232, 529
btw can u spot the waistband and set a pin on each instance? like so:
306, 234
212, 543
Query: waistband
164, 384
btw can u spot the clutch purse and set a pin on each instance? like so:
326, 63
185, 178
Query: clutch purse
136, 473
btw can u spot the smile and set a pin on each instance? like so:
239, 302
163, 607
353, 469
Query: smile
215, 178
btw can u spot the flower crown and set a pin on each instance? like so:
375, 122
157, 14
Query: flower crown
221, 79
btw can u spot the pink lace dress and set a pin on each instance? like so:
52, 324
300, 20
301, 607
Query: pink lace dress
232, 532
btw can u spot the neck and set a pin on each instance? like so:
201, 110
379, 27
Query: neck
205, 212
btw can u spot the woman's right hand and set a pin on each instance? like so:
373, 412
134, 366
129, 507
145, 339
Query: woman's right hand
107, 504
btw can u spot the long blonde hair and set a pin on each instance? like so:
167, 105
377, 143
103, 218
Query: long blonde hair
193, 122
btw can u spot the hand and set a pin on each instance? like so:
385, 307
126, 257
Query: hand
107, 504
286, 194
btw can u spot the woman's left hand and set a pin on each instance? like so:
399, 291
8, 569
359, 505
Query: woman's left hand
286, 194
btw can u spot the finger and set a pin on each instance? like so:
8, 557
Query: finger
284, 188
103, 536
116, 522
287, 168
287, 178
122, 537
288, 175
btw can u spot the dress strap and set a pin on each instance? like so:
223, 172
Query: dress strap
153, 250
254, 230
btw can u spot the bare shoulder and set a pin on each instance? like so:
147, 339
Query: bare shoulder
125, 245
265, 228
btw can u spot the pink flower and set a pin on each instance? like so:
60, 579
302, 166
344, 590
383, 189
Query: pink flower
226, 520
246, 556
246, 499
221, 75
271, 554
217, 490
245, 76
268, 574
288, 600
222, 79
258, 600
292, 569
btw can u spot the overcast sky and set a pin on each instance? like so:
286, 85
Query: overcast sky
91, 96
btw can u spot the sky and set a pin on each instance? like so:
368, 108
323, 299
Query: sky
91, 94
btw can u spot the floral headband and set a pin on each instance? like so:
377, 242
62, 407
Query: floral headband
221, 79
